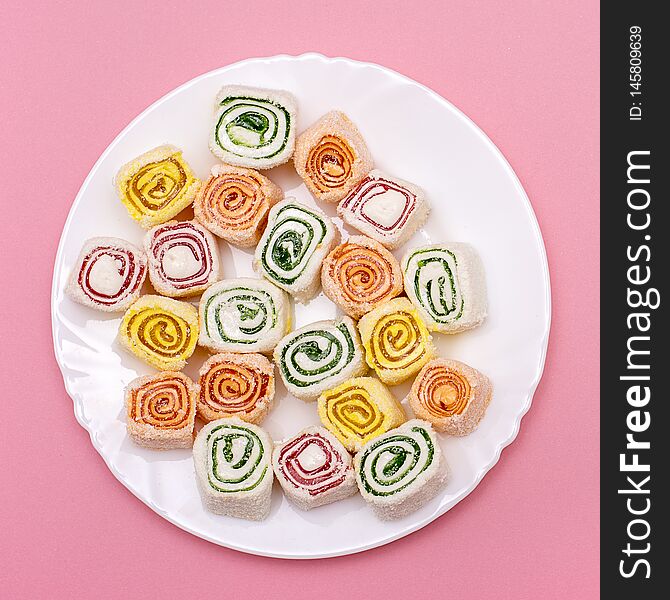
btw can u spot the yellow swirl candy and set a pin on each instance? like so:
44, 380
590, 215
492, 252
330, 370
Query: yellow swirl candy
359, 410
397, 342
160, 331
156, 186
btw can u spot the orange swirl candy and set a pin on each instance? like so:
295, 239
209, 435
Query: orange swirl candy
160, 410
156, 186
451, 395
160, 331
331, 157
360, 275
236, 385
330, 162
234, 203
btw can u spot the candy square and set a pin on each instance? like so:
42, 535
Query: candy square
295, 242
236, 385
313, 469
156, 186
446, 283
254, 127
160, 331
319, 356
234, 204
359, 410
359, 275
243, 315
331, 157
233, 468
108, 274
397, 343
450, 395
385, 208
160, 410
400, 471
183, 258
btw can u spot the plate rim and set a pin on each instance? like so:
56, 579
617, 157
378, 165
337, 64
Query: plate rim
537, 232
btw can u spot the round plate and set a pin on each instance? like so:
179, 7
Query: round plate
412, 133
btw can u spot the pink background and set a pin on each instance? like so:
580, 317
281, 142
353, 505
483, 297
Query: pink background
74, 74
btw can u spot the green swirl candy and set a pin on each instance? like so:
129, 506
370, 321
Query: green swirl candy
236, 460
319, 356
253, 127
431, 282
393, 461
294, 244
242, 315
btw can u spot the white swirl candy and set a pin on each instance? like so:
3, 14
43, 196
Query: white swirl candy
401, 470
319, 356
233, 468
254, 127
243, 315
295, 242
446, 284
385, 208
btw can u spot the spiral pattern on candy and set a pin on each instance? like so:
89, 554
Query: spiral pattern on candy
315, 477
397, 341
316, 354
444, 392
182, 258
236, 460
252, 125
234, 203
161, 331
330, 162
352, 413
236, 385
296, 233
109, 274
243, 315
365, 203
432, 275
360, 274
394, 461
156, 184
162, 403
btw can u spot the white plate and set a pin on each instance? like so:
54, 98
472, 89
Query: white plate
476, 197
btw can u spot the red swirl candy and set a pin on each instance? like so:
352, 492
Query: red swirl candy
315, 479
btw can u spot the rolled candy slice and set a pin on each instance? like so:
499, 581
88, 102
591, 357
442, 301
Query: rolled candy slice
451, 395
293, 246
359, 275
236, 385
233, 468
160, 331
243, 315
400, 471
385, 208
397, 343
254, 127
234, 204
446, 283
156, 186
108, 274
359, 410
331, 157
313, 469
160, 410
319, 356
183, 258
